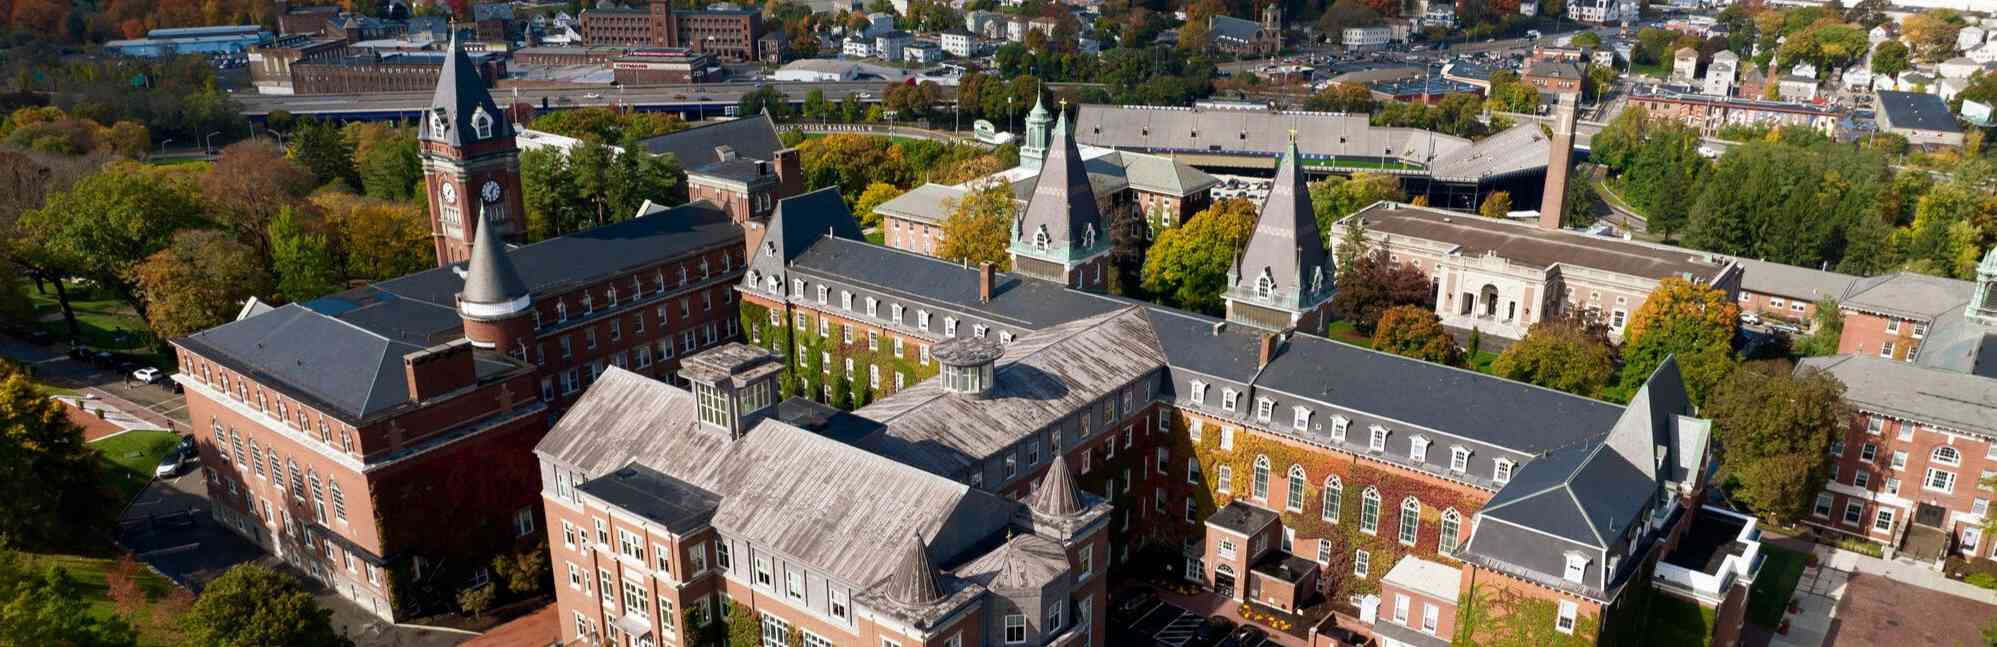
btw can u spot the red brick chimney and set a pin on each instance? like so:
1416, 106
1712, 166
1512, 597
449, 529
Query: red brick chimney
1265, 351
985, 279
790, 174
439, 369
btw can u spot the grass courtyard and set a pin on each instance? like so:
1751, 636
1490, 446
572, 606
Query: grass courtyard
1780, 571
129, 459
1343, 331
103, 323
153, 612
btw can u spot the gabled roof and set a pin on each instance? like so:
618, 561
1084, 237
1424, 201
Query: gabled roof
460, 95
1908, 295
1016, 300
1064, 202
1961, 343
800, 220
1942, 398
1792, 282
490, 277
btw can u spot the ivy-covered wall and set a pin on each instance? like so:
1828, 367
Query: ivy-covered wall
807, 369
1355, 475
1501, 616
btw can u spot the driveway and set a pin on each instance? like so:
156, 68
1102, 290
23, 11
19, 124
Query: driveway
169, 527
1877, 610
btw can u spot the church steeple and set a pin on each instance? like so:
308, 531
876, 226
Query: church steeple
471, 165
1033, 151
1282, 278
1061, 235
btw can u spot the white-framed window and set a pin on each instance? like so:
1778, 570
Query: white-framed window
1294, 498
1227, 399
1946, 455
1259, 480
1224, 476
1369, 511
1264, 408
1870, 452
1899, 460
794, 583
764, 577
1853, 513
1410, 521
1501, 471
1226, 437
1338, 425
1378, 442
1452, 529
1362, 562
1459, 459
1199, 391
1883, 522
1418, 449
1564, 622
1194, 427
1822, 507
1015, 628
1333, 498
1939, 481
839, 604
1401, 608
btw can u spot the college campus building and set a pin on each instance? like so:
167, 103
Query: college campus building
732, 34
342, 432
1163, 190
1911, 471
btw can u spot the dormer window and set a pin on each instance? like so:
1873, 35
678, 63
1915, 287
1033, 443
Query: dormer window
1301, 419
1040, 239
1577, 567
1265, 285
482, 123
1264, 408
1459, 459
1199, 392
439, 126
1379, 441
1089, 237
1338, 425
1501, 471
769, 249
1227, 398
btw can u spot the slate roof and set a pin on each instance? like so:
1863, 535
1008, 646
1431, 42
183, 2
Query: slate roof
555, 264
1232, 28
1256, 132
1942, 398
1242, 518
1064, 200
912, 581
803, 219
1553, 69
752, 137
490, 277
1513, 415
929, 203
1529, 245
1908, 295
1015, 299
460, 95
1917, 111
1960, 343
1043, 377
334, 365
1286, 245
654, 495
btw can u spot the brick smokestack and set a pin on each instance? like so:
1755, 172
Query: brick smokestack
1265, 350
439, 369
986, 276
1559, 161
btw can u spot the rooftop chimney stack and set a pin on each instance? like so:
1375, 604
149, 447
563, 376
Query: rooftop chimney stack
1559, 160
985, 279
1266, 349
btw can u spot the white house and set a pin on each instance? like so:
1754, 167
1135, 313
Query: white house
1984, 54
1720, 73
1969, 37
1366, 37
1959, 67
858, 47
958, 43
1857, 78
889, 46
922, 53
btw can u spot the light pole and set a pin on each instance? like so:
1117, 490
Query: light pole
208, 141
162, 145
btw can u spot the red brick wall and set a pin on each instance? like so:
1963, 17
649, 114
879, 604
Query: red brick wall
1866, 334
1445, 609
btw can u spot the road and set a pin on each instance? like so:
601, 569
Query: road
689, 96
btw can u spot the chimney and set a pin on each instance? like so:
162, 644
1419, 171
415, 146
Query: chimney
1265, 351
439, 369
1559, 160
790, 174
985, 279
724, 153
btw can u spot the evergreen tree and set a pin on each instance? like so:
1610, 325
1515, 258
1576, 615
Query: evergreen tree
304, 262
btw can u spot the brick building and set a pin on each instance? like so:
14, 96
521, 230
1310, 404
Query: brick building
1709, 114
731, 34
1789, 293
342, 433
661, 66
1892, 315
365, 73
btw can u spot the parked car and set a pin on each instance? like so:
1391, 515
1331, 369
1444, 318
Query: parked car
186, 444
149, 375
169, 465
1750, 318
1785, 327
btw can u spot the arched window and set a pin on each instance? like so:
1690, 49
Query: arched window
1296, 502
1260, 486
1410, 520
1265, 285
1089, 237
482, 123
1947, 455
1369, 511
1040, 240
1334, 495
1317, 279
1452, 524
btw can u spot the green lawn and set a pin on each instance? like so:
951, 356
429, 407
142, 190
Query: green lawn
129, 459
1676, 622
103, 323
877, 237
1363, 162
90, 573
1773, 587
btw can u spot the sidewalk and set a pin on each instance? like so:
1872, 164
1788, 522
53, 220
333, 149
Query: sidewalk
114, 413
1899, 570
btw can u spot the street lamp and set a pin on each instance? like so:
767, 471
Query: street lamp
162, 145
208, 141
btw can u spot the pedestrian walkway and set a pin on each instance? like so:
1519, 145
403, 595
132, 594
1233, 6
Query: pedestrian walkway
113, 413
1814, 611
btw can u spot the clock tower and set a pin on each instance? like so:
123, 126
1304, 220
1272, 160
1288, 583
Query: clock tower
471, 166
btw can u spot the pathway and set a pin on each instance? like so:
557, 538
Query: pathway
1822, 590
114, 414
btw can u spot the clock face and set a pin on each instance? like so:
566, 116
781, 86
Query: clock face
491, 191
449, 193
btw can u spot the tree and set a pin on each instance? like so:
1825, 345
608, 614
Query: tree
1415, 331
1616, 145
1570, 354
1342, 97
1189, 264
109, 222
1931, 34
198, 282
1890, 59
1335, 197
302, 259
254, 605
1496, 205
380, 240
743, 629
250, 182
323, 151
477, 599
26, 182
1371, 284
978, 229
1777, 454
48, 608
876, 193
1578, 209
1695, 323
1828, 327
391, 169
47, 474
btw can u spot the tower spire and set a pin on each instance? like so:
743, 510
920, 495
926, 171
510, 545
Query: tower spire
1061, 230
913, 580
1284, 267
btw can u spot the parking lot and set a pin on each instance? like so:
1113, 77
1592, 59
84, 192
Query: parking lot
1156, 623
